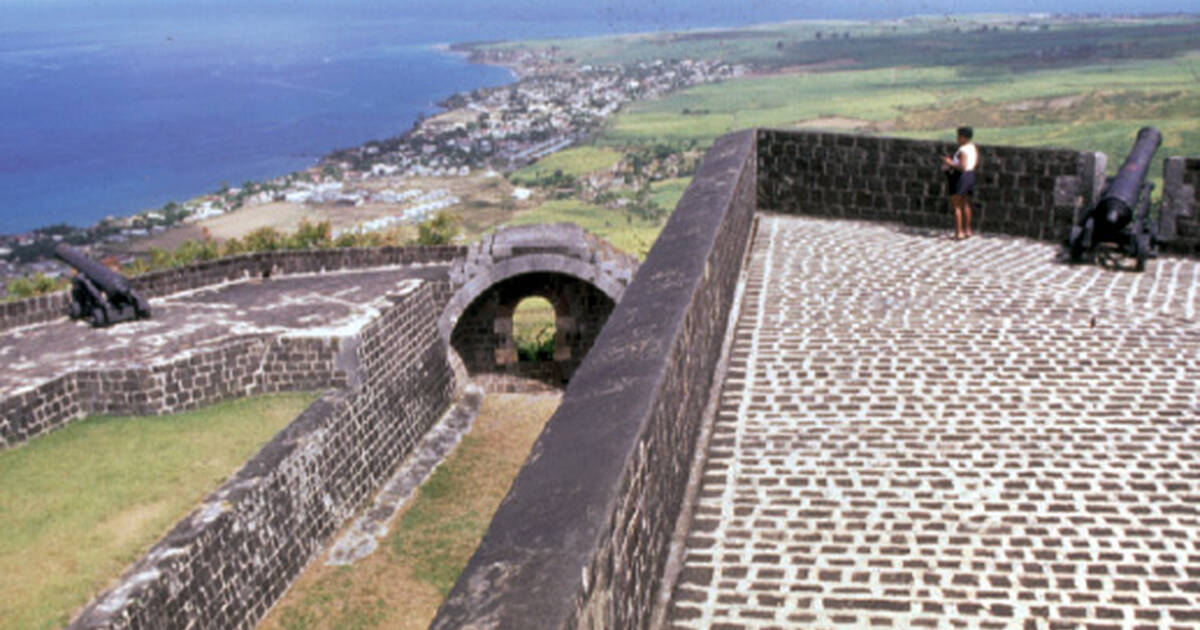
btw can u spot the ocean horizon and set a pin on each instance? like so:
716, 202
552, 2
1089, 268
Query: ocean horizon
114, 111
121, 107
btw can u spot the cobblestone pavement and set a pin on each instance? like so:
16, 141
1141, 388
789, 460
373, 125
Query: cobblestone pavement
921, 433
319, 304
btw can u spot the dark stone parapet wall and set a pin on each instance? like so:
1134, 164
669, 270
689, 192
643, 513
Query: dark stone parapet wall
583, 535
1028, 192
257, 265
227, 563
242, 367
1179, 222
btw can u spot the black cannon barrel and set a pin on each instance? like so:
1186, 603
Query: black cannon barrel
1122, 194
108, 280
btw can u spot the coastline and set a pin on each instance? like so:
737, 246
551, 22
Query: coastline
58, 226
449, 49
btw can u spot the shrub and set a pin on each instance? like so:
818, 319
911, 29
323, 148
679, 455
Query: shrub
232, 247
37, 284
538, 348
192, 251
311, 236
440, 230
161, 258
264, 239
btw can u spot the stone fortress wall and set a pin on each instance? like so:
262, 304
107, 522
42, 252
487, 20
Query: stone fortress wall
233, 268
1020, 191
227, 563
1180, 219
609, 474
578, 273
237, 367
607, 477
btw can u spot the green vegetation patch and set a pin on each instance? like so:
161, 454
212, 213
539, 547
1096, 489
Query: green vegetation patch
79, 505
575, 162
626, 231
1093, 108
987, 43
534, 326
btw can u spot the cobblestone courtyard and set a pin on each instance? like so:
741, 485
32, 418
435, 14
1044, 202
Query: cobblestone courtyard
917, 432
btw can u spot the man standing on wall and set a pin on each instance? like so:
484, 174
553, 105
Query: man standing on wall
960, 170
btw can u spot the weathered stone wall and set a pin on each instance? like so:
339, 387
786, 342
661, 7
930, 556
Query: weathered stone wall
1179, 222
243, 367
582, 537
231, 268
484, 338
1020, 191
225, 564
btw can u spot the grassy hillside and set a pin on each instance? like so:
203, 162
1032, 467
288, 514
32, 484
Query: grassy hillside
1097, 107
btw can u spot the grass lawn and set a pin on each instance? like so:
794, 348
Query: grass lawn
625, 231
576, 161
78, 505
400, 586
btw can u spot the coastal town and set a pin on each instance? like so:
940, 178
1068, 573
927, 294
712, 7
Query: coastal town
552, 105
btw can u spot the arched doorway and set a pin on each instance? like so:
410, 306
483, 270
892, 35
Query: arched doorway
490, 332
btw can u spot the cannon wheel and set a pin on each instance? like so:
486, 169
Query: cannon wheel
99, 316
141, 307
1141, 248
1080, 236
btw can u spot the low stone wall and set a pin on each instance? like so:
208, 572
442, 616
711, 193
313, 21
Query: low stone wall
257, 265
583, 535
42, 308
243, 367
1179, 223
227, 563
1020, 191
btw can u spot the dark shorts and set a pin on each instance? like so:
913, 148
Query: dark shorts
961, 183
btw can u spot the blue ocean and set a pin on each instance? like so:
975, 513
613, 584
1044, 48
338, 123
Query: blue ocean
115, 106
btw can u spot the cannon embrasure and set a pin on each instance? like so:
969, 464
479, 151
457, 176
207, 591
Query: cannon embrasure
98, 293
1120, 223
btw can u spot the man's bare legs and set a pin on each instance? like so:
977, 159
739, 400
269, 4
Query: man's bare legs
966, 206
962, 216
956, 202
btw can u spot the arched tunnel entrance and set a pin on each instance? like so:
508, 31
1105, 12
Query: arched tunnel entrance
581, 276
484, 335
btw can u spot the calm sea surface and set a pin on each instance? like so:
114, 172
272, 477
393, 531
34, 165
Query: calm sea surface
119, 108
116, 106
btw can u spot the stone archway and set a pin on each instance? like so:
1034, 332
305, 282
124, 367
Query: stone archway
582, 276
483, 336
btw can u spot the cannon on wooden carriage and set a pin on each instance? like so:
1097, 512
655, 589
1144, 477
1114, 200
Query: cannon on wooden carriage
99, 294
1119, 225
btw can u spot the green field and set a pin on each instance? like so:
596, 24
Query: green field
1011, 42
78, 505
575, 162
627, 232
1033, 108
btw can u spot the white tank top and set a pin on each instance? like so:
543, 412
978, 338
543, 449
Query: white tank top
967, 157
